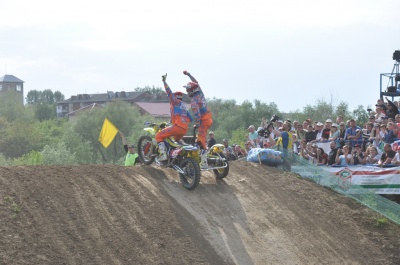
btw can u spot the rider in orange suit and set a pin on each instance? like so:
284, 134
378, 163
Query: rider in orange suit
180, 118
202, 114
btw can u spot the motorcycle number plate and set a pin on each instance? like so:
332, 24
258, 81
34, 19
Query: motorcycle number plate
175, 152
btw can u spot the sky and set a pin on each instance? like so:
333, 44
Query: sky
289, 52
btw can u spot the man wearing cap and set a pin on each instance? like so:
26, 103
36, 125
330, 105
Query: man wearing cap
318, 131
211, 140
131, 157
326, 131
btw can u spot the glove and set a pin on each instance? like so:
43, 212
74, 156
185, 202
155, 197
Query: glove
164, 77
186, 72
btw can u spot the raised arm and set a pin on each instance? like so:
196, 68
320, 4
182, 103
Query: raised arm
168, 89
190, 76
393, 105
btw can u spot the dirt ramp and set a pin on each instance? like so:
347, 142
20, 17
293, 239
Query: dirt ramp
93, 215
259, 215
117, 215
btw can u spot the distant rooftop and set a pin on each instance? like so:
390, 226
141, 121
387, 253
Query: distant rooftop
157, 109
10, 79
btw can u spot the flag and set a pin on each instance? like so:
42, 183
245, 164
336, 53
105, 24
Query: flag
108, 132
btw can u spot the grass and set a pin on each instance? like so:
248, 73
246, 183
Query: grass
12, 205
381, 222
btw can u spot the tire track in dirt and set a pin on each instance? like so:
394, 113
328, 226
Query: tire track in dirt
259, 215
96, 214
92, 215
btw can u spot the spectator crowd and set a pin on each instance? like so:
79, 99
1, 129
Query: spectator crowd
345, 142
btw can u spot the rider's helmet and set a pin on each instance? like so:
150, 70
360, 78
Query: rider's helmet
178, 95
191, 88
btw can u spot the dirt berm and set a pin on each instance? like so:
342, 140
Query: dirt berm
99, 214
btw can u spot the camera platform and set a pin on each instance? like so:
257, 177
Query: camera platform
392, 85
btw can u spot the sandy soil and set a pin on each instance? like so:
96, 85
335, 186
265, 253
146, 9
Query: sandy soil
98, 214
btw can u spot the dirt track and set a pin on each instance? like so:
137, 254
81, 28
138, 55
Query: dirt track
116, 215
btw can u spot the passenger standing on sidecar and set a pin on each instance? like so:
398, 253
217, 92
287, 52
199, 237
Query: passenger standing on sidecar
202, 115
180, 118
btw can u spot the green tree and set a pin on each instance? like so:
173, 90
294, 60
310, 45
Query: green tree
124, 116
31, 158
58, 96
44, 103
320, 111
12, 109
157, 91
19, 138
360, 114
228, 117
33, 97
3, 160
57, 155
45, 112
47, 97
81, 148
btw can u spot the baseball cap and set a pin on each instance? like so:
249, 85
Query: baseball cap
225, 140
210, 133
334, 125
251, 126
319, 124
131, 146
328, 120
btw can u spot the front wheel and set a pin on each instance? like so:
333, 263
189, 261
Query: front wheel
191, 179
146, 149
222, 172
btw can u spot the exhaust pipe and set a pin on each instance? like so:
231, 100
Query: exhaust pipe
177, 168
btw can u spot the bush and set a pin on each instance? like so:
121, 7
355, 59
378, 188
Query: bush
58, 155
31, 158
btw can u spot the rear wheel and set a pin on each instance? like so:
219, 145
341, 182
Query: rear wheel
222, 172
146, 149
191, 179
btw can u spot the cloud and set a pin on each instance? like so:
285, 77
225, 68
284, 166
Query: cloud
107, 45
